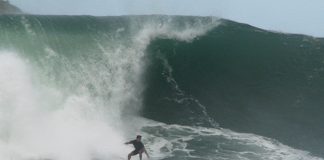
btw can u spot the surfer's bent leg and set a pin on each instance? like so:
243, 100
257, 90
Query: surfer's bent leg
130, 155
140, 153
133, 153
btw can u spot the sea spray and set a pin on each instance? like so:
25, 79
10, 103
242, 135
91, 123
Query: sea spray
69, 91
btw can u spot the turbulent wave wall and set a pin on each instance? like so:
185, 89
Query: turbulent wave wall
78, 87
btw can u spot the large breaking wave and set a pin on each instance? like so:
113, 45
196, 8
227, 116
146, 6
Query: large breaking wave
77, 87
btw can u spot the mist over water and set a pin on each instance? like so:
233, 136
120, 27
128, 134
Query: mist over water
42, 121
62, 100
72, 88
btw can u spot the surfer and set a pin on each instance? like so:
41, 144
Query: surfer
139, 148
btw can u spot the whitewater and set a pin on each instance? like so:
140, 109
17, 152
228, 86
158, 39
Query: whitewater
79, 87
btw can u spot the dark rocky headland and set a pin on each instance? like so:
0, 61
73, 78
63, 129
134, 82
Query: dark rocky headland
7, 8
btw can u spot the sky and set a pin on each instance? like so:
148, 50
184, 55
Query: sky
290, 16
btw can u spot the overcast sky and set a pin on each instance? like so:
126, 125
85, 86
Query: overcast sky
293, 16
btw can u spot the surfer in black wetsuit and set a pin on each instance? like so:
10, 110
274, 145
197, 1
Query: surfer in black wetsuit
139, 148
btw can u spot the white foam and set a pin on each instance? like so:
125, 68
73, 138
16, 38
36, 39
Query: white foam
49, 113
239, 145
68, 129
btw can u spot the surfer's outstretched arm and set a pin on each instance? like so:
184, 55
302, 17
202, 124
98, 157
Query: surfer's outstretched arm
128, 142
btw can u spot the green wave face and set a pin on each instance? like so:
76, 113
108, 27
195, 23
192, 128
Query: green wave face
78, 87
243, 78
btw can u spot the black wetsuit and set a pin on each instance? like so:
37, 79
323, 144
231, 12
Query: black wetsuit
137, 145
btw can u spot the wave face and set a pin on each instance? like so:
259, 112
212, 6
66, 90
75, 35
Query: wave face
78, 87
243, 78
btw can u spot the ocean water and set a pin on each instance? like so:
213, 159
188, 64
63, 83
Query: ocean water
195, 88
